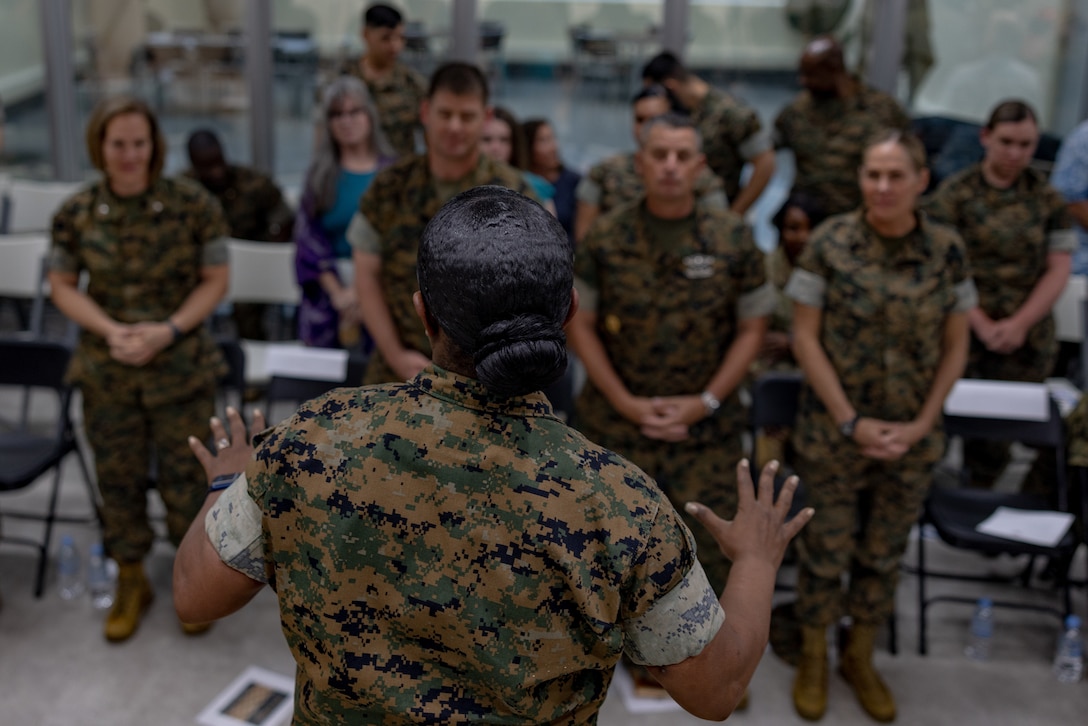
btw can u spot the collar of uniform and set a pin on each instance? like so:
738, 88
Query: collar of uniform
902, 252
470, 393
109, 206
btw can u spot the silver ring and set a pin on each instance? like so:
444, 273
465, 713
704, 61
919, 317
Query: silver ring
222, 443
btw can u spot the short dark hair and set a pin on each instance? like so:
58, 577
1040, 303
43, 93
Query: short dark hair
496, 271
1011, 111
202, 140
664, 66
460, 79
810, 204
382, 16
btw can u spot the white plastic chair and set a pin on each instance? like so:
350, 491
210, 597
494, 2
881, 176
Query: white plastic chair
31, 204
22, 266
263, 272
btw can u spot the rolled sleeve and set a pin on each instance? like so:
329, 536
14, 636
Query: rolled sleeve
62, 261
588, 191
1061, 240
757, 303
362, 236
966, 296
678, 625
587, 295
807, 288
756, 144
233, 526
215, 252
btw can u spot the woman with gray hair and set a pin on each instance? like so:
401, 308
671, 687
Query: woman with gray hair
349, 153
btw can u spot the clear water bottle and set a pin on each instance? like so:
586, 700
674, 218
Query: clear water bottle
99, 582
1069, 659
69, 567
981, 633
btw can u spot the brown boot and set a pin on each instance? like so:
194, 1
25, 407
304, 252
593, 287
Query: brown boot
856, 666
129, 604
810, 684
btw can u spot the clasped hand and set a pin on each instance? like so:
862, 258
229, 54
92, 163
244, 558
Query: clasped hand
138, 343
887, 440
665, 418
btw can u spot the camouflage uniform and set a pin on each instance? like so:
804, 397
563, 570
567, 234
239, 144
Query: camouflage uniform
732, 134
828, 138
397, 97
256, 210
1009, 234
667, 313
884, 305
392, 214
614, 182
442, 557
144, 256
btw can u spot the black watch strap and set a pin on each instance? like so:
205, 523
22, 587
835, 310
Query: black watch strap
846, 428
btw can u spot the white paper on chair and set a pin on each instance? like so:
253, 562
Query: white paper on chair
318, 364
1045, 529
999, 399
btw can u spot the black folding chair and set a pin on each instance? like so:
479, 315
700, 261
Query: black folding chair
955, 513
25, 454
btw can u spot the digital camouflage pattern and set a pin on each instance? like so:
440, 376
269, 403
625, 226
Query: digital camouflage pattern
731, 133
617, 183
884, 304
667, 314
1009, 233
442, 557
144, 256
827, 138
398, 205
121, 432
254, 205
887, 497
397, 97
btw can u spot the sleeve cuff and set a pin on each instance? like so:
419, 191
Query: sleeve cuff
757, 303
1061, 240
60, 261
362, 236
678, 625
216, 253
807, 288
756, 144
588, 191
233, 526
587, 295
966, 296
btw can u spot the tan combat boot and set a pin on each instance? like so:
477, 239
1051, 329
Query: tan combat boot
810, 684
129, 604
856, 666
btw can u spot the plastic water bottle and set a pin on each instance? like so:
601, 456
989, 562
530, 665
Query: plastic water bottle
69, 565
99, 583
982, 631
1069, 659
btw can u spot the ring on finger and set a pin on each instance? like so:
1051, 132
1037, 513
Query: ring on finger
222, 443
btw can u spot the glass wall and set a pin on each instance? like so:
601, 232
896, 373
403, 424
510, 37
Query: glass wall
25, 150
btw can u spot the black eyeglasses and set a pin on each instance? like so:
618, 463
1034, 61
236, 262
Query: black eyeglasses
338, 113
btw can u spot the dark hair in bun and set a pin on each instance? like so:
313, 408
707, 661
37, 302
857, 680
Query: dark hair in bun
496, 272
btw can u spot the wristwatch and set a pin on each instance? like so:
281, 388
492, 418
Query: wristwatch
711, 403
846, 428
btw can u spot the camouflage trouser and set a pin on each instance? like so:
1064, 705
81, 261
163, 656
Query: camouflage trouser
694, 472
987, 459
123, 433
864, 513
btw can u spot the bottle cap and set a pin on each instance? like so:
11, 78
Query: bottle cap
98, 549
985, 602
1072, 621
67, 540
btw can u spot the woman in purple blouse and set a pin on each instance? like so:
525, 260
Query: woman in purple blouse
349, 154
